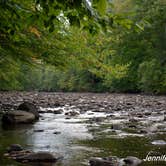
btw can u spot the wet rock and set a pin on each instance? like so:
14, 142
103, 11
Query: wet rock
38, 130
14, 147
132, 126
128, 103
164, 118
39, 157
159, 142
72, 113
29, 107
148, 113
143, 131
59, 111
139, 115
14, 117
90, 113
111, 116
57, 104
68, 118
132, 161
49, 111
107, 161
56, 132
15, 154
117, 108
41, 112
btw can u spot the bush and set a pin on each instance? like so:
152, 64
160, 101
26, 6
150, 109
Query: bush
151, 77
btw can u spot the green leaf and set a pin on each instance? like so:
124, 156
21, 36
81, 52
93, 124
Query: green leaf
102, 6
51, 28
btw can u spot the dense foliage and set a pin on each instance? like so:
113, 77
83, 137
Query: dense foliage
114, 46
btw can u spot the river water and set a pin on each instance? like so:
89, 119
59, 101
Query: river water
79, 138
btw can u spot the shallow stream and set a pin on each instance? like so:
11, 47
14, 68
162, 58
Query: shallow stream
80, 137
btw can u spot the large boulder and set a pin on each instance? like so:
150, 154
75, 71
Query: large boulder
39, 157
29, 107
14, 117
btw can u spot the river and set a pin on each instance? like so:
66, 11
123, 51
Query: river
88, 134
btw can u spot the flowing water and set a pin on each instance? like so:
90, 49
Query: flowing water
78, 138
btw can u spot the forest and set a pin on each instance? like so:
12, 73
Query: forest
82, 82
83, 46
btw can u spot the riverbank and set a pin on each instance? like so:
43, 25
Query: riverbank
84, 101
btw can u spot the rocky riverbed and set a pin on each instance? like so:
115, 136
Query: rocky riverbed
79, 126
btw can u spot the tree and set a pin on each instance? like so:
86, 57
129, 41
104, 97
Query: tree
124, 51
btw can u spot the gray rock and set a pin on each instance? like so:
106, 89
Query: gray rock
57, 104
49, 111
39, 157
38, 130
15, 154
164, 118
143, 131
67, 118
108, 161
132, 161
56, 132
29, 107
148, 113
14, 117
132, 126
140, 115
14, 147
72, 113
59, 111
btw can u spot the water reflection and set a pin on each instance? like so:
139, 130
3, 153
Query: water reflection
77, 140
70, 130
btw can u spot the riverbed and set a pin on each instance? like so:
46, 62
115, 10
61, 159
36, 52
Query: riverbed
105, 125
